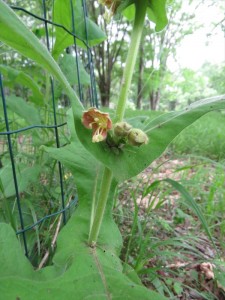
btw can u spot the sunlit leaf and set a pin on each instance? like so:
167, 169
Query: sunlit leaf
15, 34
84, 29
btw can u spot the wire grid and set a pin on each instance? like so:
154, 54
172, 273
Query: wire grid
9, 133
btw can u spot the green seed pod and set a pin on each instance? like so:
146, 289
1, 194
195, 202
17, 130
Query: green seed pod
137, 137
121, 129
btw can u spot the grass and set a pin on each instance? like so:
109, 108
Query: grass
166, 242
39, 189
206, 137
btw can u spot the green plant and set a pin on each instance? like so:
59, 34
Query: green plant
164, 241
87, 263
205, 137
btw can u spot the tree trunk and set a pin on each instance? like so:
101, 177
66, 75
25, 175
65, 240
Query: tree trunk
104, 88
154, 99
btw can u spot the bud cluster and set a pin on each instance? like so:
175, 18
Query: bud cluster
123, 133
134, 136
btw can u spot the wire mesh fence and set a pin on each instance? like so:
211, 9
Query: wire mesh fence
37, 193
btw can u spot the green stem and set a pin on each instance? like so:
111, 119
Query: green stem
100, 209
141, 6
47, 96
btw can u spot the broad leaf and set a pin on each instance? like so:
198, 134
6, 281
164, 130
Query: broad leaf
67, 63
25, 177
69, 67
86, 273
23, 109
14, 33
156, 12
78, 270
18, 76
86, 31
11, 255
130, 161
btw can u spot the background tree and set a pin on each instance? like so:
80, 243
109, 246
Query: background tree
150, 82
158, 48
109, 51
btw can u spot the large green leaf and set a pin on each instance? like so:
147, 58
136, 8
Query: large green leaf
130, 161
87, 273
78, 271
23, 109
156, 11
18, 76
85, 29
12, 261
14, 33
25, 177
68, 65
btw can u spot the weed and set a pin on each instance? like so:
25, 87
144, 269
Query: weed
164, 240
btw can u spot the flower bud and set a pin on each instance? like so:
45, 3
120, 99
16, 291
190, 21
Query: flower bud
121, 129
137, 137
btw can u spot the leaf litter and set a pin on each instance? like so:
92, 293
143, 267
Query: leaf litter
189, 272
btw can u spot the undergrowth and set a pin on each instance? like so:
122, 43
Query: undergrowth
165, 241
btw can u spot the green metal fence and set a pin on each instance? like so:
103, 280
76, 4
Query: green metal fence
17, 146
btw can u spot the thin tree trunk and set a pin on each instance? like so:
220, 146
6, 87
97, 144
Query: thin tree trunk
154, 99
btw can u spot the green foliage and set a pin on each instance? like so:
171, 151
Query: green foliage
15, 34
205, 137
130, 161
207, 184
78, 269
76, 263
164, 240
188, 86
62, 15
216, 76
67, 64
156, 11
26, 111
26, 176
14, 76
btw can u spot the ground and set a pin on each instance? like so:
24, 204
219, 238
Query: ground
178, 258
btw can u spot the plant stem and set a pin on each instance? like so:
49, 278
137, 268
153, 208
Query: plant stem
100, 209
141, 6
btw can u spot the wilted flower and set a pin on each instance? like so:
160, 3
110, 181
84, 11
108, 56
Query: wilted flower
137, 137
99, 122
112, 5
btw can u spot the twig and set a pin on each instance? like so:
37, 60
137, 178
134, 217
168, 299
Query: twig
46, 256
